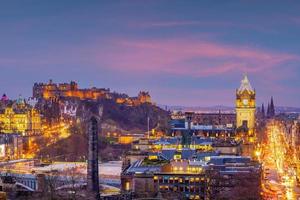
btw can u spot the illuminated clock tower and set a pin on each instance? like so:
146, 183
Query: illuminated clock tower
245, 106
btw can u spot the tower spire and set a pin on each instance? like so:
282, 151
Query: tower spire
268, 110
245, 84
263, 110
272, 108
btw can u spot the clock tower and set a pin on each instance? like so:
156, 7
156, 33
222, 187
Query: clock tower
245, 106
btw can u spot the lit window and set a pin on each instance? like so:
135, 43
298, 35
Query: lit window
127, 186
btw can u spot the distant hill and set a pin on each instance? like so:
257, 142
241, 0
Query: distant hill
202, 109
226, 109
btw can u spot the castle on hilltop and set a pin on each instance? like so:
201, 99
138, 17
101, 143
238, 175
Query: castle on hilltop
143, 97
53, 90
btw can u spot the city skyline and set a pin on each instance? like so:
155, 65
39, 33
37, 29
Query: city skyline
183, 54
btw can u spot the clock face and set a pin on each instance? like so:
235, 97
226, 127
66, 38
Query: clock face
245, 102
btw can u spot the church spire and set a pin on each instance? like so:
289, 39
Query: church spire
272, 108
263, 110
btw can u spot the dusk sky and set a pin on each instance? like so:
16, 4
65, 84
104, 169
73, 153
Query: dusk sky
183, 52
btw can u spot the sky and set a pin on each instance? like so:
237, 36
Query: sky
190, 53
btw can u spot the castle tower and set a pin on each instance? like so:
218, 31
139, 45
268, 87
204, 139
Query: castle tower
245, 106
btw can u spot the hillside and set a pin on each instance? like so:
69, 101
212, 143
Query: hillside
74, 148
116, 118
134, 118
130, 119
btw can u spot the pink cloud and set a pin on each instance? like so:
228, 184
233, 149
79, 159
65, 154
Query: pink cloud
184, 23
204, 23
295, 20
189, 57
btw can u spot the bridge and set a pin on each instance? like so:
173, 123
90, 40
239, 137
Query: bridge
31, 182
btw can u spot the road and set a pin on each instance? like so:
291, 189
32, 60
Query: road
279, 175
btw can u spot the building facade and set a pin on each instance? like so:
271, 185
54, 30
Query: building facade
25, 122
206, 178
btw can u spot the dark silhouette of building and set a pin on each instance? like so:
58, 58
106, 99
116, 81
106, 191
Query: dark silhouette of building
271, 109
263, 114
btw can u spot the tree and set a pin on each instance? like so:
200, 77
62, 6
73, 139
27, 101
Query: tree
51, 182
75, 181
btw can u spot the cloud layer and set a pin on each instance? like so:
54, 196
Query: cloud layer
189, 57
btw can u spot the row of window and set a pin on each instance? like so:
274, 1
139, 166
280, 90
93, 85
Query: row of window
186, 189
178, 179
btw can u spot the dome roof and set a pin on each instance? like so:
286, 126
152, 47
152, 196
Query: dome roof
4, 97
20, 100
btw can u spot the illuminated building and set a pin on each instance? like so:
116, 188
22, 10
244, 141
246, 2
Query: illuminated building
125, 139
191, 175
11, 146
245, 106
213, 118
215, 125
25, 122
204, 144
51, 90
143, 97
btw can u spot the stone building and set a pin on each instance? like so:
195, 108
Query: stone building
143, 97
51, 90
26, 122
